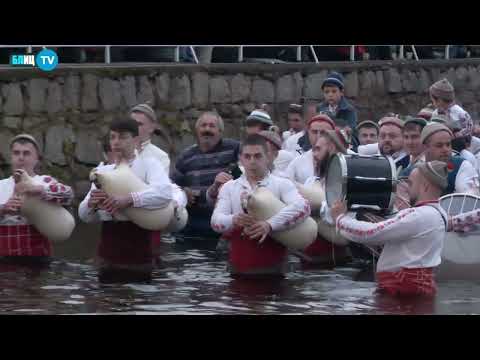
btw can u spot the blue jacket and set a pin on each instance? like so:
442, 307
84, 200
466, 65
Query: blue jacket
345, 111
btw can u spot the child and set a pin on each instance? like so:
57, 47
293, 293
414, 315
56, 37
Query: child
442, 95
335, 101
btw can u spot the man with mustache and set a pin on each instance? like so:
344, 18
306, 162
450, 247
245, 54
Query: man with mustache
201, 169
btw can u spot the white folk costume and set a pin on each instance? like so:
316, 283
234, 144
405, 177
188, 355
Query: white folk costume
148, 149
465, 222
247, 256
301, 168
291, 144
413, 241
281, 163
17, 236
123, 243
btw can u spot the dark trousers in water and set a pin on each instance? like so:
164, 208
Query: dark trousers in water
124, 253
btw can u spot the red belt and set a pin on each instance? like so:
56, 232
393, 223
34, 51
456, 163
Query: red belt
23, 240
246, 254
417, 281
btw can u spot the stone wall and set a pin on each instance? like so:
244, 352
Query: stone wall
69, 109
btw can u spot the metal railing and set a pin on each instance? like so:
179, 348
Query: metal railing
176, 57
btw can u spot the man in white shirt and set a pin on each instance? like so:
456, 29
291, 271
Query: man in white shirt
253, 251
294, 143
19, 240
413, 239
295, 121
146, 118
125, 250
301, 168
278, 158
322, 252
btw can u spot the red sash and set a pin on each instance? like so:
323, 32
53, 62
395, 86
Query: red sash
418, 281
125, 243
246, 254
324, 252
23, 240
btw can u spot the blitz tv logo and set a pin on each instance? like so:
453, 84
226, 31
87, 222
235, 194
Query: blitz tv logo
45, 60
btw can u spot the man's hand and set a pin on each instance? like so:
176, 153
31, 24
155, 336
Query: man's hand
96, 198
114, 203
12, 206
338, 208
243, 220
191, 196
259, 229
222, 178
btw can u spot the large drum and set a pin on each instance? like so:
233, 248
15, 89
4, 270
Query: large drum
366, 182
461, 248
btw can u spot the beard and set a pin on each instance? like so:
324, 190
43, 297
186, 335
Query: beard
322, 166
387, 149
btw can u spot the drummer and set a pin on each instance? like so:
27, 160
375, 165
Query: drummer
125, 250
413, 239
323, 252
253, 251
301, 168
462, 177
20, 241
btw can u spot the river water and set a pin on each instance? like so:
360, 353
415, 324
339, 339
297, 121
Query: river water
193, 280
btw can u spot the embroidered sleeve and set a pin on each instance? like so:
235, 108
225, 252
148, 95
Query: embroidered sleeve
296, 211
403, 226
466, 222
222, 217
85, 213
57, 192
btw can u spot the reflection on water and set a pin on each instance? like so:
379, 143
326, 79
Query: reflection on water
193, 280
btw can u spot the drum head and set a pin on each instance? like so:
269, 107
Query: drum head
461, 248
335, 186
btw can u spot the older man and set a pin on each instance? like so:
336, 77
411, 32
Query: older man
202, 168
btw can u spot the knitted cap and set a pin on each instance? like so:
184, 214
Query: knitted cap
335, 79
390, 120
442, 89
340, 138
259, 115
368, 122
416, 120
295, 109
272, 137
431, 129
436, 172
321, 118
28, 138
145, 109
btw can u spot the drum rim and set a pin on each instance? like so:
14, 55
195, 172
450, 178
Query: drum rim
393, 194
343, 168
